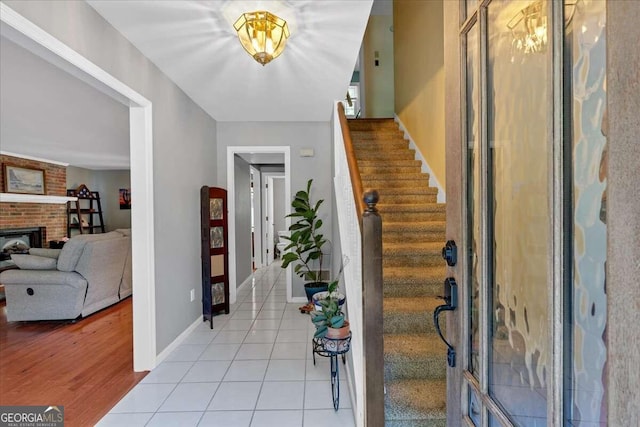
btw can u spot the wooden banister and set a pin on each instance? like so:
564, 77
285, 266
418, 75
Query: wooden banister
354, 172
370, 224
372, 311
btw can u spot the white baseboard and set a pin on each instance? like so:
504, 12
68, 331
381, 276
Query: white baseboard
433, 181
179, 339
298, 300
246, 282
352, 393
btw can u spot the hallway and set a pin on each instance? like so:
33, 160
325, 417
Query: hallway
253, 369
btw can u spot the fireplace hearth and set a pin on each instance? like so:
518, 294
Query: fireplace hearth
20, 240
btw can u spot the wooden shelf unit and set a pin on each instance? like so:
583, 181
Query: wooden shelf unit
87, 206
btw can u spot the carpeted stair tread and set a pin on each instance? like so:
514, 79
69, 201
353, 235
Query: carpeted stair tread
388, 163
420, 281
372, 124
412, 207
383, 155
414, 227
412, 248
396, 216
388, 170
385, 133
381, 175
407, 191
387, 140
411, 304
419, 274
430, 231
409, 315
399, 348
397, 182
410, 198
420, 399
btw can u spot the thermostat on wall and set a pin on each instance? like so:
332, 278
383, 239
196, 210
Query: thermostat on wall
306, 152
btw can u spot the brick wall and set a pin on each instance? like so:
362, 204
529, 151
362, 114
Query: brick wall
51, 216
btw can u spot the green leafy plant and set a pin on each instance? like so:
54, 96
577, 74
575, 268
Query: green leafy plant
306, 239
329, 316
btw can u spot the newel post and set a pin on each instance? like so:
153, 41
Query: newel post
372, 311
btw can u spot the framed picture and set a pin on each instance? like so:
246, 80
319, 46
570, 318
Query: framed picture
23, 180
125, 198
217, 237
217, 293
215, 207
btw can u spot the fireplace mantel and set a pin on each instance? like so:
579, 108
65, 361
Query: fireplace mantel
34, 198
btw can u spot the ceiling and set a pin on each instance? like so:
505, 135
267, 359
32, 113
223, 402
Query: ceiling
52, 111
195, 45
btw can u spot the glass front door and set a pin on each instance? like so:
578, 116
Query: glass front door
534, 168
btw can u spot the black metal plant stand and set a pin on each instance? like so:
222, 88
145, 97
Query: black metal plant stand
332, 348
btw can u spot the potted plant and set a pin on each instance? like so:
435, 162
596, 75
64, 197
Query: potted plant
332, 289
306, 240
331, 326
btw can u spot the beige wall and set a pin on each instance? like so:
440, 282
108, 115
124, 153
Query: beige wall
378, 80
419, 69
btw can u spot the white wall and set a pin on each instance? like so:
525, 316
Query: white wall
109, 183
242, 215
279, 207
49, 113
378, 79
184, 141
297, 135
77, 176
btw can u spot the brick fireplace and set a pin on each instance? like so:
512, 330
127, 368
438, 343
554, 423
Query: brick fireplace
53, 217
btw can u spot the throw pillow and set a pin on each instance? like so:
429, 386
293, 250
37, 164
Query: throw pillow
34, 262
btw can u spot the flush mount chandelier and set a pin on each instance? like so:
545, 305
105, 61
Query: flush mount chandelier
262, 34
529, 25
529, 28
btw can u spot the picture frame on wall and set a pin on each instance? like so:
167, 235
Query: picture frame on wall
21, 180
124, 198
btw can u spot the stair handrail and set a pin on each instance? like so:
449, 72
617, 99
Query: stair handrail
354, 171
360, 229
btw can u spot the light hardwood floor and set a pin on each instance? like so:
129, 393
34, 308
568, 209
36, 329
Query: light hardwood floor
86, 366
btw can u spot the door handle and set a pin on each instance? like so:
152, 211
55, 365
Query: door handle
450, 253
450, 303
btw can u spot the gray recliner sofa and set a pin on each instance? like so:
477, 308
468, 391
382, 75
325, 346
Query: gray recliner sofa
88, 274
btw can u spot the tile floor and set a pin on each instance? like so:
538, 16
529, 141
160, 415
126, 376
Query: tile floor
253, 369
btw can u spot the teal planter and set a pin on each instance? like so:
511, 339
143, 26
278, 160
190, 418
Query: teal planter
312, 288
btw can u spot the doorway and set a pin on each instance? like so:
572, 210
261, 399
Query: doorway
51, 49
275, 212
252, 155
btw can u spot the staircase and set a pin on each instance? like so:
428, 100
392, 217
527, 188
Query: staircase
413, 225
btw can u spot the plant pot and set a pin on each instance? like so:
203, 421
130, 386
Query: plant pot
337, 338
314, 287
338, 333
324, 294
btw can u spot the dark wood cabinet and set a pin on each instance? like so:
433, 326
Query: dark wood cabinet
215, 254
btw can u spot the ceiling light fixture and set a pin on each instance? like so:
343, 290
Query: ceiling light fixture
262, 34
531, 36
